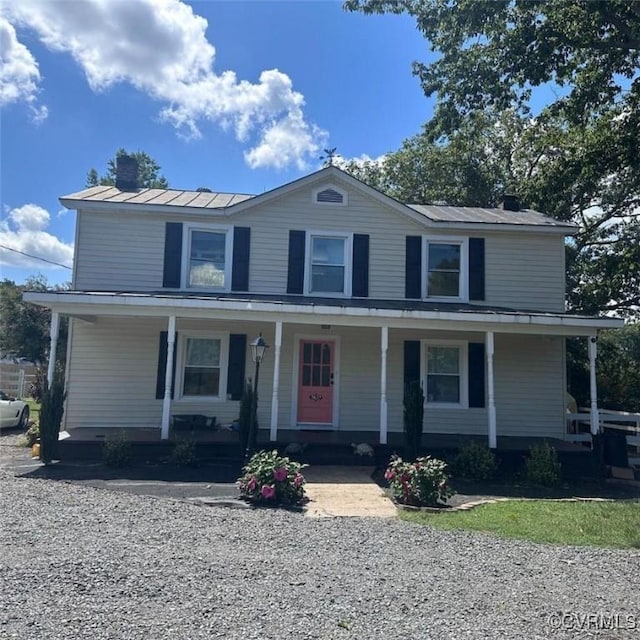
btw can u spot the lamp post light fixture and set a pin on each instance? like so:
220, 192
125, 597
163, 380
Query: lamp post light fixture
258, 349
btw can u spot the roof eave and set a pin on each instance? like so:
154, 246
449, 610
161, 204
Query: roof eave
557, 324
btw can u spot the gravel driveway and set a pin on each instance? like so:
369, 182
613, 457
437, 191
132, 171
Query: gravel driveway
81, 562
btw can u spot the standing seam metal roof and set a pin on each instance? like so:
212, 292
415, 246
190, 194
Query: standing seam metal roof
165, 197
447, 213
217, 200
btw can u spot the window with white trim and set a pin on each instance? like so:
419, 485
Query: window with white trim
328, 269
203, 361
445, 268
445, 374
208, 257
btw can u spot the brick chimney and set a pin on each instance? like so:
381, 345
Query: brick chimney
510, 202
126, 173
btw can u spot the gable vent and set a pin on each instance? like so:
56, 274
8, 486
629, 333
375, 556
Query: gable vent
330, 195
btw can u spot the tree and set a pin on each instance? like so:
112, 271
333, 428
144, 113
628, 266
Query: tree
576, 160
24, 327
618, 372
148, 172
493, 53
472, 167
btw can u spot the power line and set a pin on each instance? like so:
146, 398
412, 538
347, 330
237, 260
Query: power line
34, 257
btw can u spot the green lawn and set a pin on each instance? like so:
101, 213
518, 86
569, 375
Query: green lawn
34, 408
602, 524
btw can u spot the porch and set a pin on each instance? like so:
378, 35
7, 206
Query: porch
495, 374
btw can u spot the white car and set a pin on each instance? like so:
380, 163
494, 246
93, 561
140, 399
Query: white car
13, 412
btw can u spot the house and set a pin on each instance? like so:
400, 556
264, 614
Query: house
356, 295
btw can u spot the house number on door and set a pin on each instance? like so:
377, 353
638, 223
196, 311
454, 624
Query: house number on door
316, 397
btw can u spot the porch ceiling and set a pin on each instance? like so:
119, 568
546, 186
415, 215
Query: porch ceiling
406, 314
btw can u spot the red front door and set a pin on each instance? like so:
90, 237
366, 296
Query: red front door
315, 382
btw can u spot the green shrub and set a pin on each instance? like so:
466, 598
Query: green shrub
184, 453
413, 417
423, 483
116, 451
31, 435
542, 466
51, 410
272, 479
474, 461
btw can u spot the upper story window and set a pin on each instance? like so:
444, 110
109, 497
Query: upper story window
201, 365
330, 194
208, 257
446, 268
329, 264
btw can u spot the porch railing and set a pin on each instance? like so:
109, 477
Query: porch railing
578, 425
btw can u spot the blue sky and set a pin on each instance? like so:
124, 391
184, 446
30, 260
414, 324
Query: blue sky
235, 96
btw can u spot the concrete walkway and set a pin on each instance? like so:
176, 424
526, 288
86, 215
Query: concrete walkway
345, 491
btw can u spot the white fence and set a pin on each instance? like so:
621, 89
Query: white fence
578, 425
15, 380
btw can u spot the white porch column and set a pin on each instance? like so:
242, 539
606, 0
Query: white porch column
168, 378
384, 347
273, 431
493, 440
54, 331
595, 415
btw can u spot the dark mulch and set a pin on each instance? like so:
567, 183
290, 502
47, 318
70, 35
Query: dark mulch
475, 490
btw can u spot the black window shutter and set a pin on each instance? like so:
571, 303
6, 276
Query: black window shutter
295, 275
476, 374
476, 269
413, 267
172, 255
411, 362
162, 364
240, 266
237, 360
360, 273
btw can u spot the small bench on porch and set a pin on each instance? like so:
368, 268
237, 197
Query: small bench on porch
193, 422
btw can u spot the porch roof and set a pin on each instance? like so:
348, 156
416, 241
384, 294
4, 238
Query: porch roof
456, 316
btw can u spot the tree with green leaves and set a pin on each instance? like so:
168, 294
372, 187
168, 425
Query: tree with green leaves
148, 172
24, 327
576, 160
494, 53
618, 369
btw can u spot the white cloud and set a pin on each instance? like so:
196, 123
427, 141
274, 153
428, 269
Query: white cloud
24, 229
19, 73
160, 48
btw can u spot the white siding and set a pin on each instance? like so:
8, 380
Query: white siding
125, 251
530, 386
112, 374
525, 271
119, 252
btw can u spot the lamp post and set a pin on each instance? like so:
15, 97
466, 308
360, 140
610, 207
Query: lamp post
258, 349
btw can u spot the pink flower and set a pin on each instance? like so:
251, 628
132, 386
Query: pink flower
268, 491
298, 480
280, 474
389, 475
252, 484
